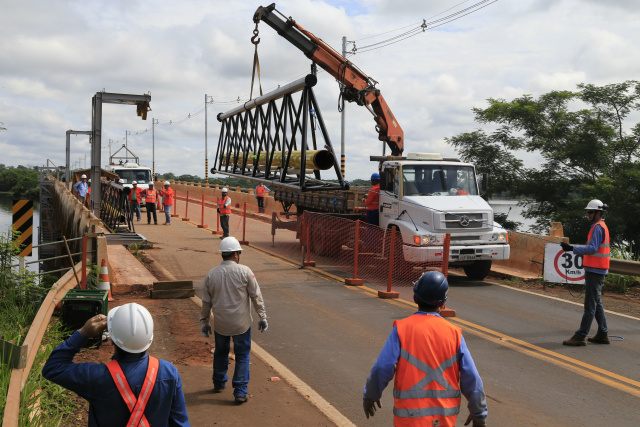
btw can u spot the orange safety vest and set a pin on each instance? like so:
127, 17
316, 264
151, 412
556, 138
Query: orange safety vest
373, 198
150, 196
601, 258
137, 192
426, 388
135, 405
168, 196
260, 191
223, 209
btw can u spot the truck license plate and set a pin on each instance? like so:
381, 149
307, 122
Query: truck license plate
471, 257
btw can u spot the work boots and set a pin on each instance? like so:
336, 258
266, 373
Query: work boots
600, 338
575, 341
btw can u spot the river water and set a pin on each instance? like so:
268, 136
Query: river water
6, 219
514, 212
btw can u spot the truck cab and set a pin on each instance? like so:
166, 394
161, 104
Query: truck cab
426, 197
130, 172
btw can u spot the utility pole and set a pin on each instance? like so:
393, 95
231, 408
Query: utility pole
343, 116
206, 154
154, 122
110, 141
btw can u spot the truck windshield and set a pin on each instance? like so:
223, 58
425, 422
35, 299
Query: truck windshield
141, 176
435, 180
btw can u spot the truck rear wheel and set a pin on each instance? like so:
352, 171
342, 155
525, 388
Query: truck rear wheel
478, 270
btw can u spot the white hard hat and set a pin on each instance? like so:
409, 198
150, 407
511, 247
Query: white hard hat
130, 327
225, 189
150, 182
134, 183
83, 176
230, 244
596, 205
121, 181
166, 183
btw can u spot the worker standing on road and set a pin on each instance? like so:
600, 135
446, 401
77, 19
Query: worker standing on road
229, 290
150, 200
224, 209
596, 267
81, 187
134, 200
431, 364
372, 200
261, 191
167, 201
132, 380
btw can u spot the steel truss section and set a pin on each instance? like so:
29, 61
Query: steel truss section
115, 209
276, 139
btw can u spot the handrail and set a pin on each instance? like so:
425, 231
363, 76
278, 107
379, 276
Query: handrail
33, 340
623, 266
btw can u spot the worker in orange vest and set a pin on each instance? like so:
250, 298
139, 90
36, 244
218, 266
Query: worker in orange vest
431, 363
150, 199
372, 200
134, 389
224, 209
261, 191
167, 201
134, 199
596, 266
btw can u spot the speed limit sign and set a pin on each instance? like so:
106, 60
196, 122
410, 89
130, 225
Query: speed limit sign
561, 266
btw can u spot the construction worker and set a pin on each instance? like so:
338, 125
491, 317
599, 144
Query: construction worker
372, 200
167, 201
150, 199
134, 200
261, 191
431, 364
229, 290
596, 266
132, 377
224, 209
81, 188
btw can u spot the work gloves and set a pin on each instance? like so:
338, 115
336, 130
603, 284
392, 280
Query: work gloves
476, 423
370, 407
566, 247
206, 329
262, 325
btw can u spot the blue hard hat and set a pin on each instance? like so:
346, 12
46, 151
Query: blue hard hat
375, 176
431, 288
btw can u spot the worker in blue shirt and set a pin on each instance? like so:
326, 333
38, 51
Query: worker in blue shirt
596, 257
432, 367
82, 188
156, 383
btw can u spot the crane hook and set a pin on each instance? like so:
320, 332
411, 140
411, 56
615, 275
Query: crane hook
255, 39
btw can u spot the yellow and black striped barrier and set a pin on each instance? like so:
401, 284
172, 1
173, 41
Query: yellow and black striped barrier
23, 223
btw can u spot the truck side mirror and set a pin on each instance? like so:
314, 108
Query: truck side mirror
484, 183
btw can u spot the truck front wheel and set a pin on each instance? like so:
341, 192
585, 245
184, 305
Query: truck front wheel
478, 270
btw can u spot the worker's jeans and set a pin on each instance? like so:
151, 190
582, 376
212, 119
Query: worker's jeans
135, 207
593, 284
151, 209
242, 349
167, 213
224, 223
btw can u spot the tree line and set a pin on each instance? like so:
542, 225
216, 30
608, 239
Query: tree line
587, 148
21, 182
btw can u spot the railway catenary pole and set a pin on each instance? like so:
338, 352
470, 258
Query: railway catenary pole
343, 118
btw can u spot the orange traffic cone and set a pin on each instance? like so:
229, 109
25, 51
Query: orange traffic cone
103, 279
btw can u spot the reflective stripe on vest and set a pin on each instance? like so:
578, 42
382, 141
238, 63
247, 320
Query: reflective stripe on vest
601, 258
260, 191
135, 405
151, 196
427, 379
223, 210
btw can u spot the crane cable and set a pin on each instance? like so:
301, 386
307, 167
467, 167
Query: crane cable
256, 62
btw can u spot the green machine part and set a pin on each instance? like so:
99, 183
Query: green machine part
80, 305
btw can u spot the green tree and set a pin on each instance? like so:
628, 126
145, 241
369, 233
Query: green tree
587, 151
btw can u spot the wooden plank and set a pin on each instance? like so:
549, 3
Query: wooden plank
15, 356
172, 293
173, 284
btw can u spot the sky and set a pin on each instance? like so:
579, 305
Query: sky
55, 56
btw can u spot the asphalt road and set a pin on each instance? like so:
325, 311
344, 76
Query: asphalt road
329, 335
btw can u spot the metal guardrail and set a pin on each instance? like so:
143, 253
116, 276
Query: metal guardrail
622, 266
